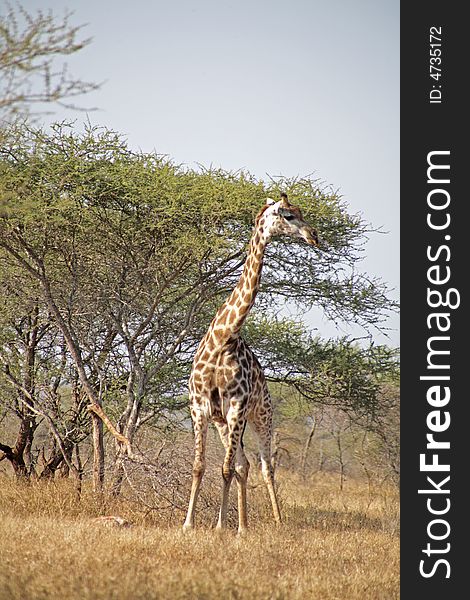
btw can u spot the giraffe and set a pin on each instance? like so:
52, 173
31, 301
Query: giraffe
227, 384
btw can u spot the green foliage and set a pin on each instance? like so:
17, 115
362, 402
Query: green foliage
333, 372
90, 200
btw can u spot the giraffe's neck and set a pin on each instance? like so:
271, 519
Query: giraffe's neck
231, 315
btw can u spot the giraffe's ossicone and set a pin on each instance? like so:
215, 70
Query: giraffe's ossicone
227, 384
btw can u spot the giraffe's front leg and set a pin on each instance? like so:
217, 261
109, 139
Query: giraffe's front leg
242, 467
200, 423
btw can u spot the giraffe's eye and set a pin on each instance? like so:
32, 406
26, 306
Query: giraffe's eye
289, 217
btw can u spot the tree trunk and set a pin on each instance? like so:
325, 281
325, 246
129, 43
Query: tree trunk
16, 461
127, 425
24, 440
342, 465
118, 477
57, 460
308, 443
321, 457
98, 454
52, 465
78, 472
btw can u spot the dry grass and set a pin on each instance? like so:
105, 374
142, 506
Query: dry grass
331, 546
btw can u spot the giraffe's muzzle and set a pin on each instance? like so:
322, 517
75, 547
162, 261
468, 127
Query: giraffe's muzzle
310, 236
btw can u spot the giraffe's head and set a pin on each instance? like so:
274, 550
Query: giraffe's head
282, 218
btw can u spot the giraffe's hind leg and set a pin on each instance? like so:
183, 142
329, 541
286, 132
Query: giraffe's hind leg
200, 423
242, 467
263, 429
222, 429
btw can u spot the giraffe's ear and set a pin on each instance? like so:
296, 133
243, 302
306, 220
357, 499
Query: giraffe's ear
270, 201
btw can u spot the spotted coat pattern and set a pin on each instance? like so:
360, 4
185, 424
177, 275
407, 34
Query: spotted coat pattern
227, 384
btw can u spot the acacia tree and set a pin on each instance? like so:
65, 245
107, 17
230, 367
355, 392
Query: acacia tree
130, 254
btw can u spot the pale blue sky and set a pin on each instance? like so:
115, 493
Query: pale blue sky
288, 88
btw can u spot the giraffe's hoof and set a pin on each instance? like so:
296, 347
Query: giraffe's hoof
242, 531
188, 527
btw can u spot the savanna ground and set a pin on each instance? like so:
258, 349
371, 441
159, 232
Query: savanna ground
332, 545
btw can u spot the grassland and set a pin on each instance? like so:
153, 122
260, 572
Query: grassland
331, 546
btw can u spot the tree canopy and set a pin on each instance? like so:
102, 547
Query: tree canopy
116, 261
